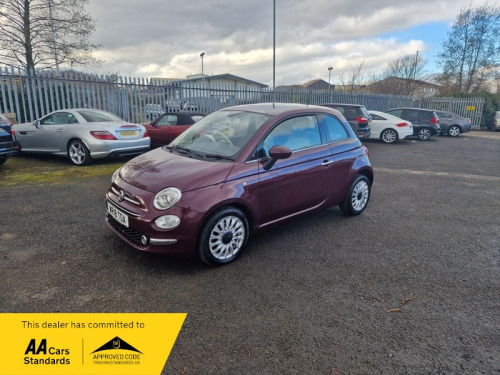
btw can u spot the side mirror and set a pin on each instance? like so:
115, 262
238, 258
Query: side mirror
276, 153
36, 123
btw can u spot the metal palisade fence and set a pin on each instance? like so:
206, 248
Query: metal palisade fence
27, 97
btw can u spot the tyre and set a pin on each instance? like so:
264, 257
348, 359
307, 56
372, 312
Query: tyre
424, 134
79, 153
223, 236
454, 131
389, 136
3, 159
357, 197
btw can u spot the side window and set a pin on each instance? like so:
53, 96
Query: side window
377, 117
445, 115
59, 118
296, 133
396, 112
167, 120
410, 115
335, 130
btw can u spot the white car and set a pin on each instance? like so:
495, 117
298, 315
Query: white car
389, 128
82, 135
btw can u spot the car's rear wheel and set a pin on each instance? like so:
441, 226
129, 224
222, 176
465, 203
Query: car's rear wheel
357, 197
79, 153
389, 136
3, 159
223, 236
424, 134
454, 131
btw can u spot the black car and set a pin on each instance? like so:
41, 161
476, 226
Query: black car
425, 121
357, 116
7, 147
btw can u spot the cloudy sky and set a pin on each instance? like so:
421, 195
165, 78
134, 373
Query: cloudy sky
164, 38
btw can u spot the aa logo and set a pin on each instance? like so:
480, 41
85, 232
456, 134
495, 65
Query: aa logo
116, 343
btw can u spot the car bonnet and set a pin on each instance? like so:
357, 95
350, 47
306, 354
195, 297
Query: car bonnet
160, 168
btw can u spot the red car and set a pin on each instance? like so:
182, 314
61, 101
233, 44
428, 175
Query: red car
234, 172
168, 126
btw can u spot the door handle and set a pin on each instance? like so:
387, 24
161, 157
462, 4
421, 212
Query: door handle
327, 162
59, 130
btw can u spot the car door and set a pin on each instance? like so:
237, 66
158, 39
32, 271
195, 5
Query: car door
413, 116
345, 150
49, 133
165, 129
300, 182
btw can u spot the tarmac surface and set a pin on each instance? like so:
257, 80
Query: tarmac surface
411, 286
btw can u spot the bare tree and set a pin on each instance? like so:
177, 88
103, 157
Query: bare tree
403, 76
472, 49
353, 81
46, 33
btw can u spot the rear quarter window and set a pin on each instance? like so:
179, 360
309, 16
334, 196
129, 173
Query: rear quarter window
335, 130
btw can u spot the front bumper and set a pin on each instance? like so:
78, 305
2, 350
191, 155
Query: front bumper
142, 233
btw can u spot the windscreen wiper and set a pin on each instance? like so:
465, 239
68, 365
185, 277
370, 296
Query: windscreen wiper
184, 150
219, 157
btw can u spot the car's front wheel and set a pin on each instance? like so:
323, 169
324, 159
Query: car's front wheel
424, 134
79, 153
223, 236
357, 197
389, 136
454, 131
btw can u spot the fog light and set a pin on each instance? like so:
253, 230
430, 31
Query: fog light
167, 222
144, 240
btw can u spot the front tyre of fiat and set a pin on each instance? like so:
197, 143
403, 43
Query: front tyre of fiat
223, 236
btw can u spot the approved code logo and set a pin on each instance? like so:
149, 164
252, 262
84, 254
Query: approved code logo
116, 352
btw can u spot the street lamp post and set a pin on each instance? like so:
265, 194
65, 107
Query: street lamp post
329, 75
201, 55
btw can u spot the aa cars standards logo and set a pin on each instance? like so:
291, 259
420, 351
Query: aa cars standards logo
116, 352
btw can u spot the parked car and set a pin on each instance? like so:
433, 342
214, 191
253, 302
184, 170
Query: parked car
357, 116
453, 124
7, 146
497, 120
82, 135
237, 171
389, 128
153, 111
168, 126
425, 121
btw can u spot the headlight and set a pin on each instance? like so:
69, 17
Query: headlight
167, 198
115, 175
167, 222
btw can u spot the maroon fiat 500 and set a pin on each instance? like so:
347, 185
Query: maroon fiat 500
236, 171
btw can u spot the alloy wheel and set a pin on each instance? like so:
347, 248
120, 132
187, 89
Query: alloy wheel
226, 237
360, 195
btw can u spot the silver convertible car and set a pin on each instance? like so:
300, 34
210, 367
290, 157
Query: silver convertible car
82, 135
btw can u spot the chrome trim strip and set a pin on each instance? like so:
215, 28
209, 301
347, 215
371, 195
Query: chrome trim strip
156, 241
128, 199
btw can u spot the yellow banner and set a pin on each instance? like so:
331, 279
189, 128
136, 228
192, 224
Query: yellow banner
84, 343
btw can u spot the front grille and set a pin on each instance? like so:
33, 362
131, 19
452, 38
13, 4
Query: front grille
131, 234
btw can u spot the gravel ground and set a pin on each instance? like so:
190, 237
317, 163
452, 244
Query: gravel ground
411, 286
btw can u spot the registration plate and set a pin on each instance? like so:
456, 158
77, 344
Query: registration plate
118, 215
127, 133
